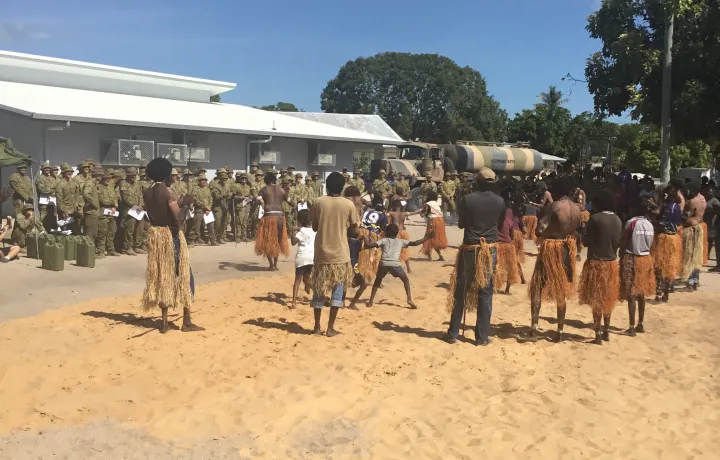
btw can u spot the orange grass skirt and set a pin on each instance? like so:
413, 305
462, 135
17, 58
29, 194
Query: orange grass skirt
518, 241
554, 275
667, 255
637, 276
530, 226
600, 285
269, 242
584, 217
506, 268
706, 252
439, 241
405, 253
368, 259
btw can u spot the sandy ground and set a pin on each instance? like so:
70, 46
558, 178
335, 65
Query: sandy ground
95, 380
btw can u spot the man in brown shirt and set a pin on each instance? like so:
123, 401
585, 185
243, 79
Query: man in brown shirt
272, 236
554, 274
331, 217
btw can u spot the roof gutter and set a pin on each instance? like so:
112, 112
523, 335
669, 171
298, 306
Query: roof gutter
247, 151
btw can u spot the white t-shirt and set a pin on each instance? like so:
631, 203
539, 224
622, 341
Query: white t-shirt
306, 247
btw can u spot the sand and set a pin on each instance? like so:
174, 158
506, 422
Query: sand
99, 382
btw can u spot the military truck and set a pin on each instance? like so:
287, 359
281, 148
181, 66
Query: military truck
415, 159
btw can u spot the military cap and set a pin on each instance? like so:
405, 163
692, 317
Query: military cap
174, 172
121, 174
89, 162
66, 167
308, 178
83, 164
221, 170
98, 171
271, 171
187, 172
315, 173
56, 168
382, 171
344, 169
287, 180
45, 166
21, 166
298, 175
27, 207
428, 175
131, 171
291, 167
228, 168
201, 169
114, 173
259, 172
107, 173
239, 173
284, 171
201, 176
254, 163
222, 175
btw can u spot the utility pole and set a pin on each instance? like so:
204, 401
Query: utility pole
666, 98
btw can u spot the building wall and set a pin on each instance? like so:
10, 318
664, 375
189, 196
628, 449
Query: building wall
85, 140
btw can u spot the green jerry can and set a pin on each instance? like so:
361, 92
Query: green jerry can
54, 257
86, 253
70, 243
46, 239
33, 246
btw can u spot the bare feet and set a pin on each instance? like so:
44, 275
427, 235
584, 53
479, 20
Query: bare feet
640, 328
606, 336
631, 332
164, 328
369, 305
292, 306
190, 327
560, 336
353, 306
598, 339
412, 304
307, 289
441, 259
332, 333
317, 331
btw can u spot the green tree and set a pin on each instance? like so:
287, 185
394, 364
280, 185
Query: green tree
362, 162
421, 96
281, 107
215, 98
627, 73
546, 126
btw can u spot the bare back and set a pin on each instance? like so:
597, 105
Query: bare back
547, 198
695, 209
397, 218
561, 219
272, 196
579, 198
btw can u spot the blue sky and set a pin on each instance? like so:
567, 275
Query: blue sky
287, 50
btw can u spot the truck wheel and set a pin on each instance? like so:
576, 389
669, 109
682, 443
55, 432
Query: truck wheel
449, 165
415, 201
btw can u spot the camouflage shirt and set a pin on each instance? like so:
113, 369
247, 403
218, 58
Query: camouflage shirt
130, 195
447, 189
403, 184
179, 189
359, 183
202, 198
239, 192
382, 187
67, 195
107, 196
45, 185
220, 194
21, 186
91, 198
426, 187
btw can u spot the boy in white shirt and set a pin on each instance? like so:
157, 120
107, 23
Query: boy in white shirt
304, 237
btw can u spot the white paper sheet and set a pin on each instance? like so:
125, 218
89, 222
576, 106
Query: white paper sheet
46, 199
136, 213
209, 218
261, 212
67, 221
246, 201
302, 206
403, 202
109, 212
189, 215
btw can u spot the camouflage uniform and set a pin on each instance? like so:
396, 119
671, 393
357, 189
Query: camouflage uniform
45, 185
80, 180
108, 197
91, 207
317, 186
188, 187
130, 196
68, 197
240, 192
382, 186
426, 187
404, 185
310, 190
359, 183
255, 187
447, 191
24, 225
220, 191
289, 207
22, 190
145, 184
203, 202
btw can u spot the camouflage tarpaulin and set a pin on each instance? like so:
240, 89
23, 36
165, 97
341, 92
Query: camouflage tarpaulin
10, 156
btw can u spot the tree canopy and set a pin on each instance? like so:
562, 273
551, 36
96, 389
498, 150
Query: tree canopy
626, 74
280, 107
421, 96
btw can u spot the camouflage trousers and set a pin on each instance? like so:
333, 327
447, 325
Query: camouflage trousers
242, 223
105, 241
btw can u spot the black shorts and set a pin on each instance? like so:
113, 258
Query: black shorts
304, 270
396, 272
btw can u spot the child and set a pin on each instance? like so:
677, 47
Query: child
435, 224
372, 224
397, 216
304, 237
391, 247
359, 281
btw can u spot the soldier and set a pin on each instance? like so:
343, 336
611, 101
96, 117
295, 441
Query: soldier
300, 192
242, 201
381, 186
107, 224
117, 179
291, 171
229, 172
401, 187
177, 186
346, 176
131, 197
188, 187
22, 189
220, 194
68, 196
200, 170
426, 187
80, 178
317, 184
289, 206
253, 170
91, 164
25, 223
54, 173
447, 192
203, 202
310, 190
45, 185
91, 204
256, 185
145, 184
358, 181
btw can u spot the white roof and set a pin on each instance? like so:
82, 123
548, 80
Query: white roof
547, 157
66, 104
372, 124
42, 70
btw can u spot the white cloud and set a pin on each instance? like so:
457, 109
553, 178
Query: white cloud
15, 31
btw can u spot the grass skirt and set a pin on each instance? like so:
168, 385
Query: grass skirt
481, 279
584, 217
272, 239
554, 274
439, 241
518, 241
637, 276
530, 226
692, 250
706, 251
667, 255
600, 285
506, 268
368, 259
325, 277
167, 280
405, 253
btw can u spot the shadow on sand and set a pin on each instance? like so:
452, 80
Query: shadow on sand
243, 267
273, 297
283, 325
151, 323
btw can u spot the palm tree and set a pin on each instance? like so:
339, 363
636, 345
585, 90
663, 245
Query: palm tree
552, 99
